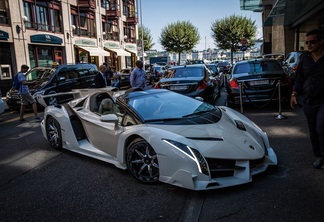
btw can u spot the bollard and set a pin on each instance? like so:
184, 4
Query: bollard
279, 116
241, 100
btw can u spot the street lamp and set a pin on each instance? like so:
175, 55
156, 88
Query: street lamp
142, 37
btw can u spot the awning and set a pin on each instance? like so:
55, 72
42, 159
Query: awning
131, 51
95, 51
120, 52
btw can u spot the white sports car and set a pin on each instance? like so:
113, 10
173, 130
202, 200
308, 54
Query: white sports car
160, 135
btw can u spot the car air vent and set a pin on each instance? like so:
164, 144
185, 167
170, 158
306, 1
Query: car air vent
240, 125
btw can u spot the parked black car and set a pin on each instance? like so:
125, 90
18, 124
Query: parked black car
215, 69
124, 78
259, 79
225, 67
192, 80
50, 80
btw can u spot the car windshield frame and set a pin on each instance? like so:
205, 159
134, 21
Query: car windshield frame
40, 73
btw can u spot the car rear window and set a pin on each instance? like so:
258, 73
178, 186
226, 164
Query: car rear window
185, 72
258, 67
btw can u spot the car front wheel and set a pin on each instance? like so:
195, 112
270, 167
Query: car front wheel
142, 161
53, 131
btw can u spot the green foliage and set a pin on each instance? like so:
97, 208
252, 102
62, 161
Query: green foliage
179, 37
148, 40
228, 32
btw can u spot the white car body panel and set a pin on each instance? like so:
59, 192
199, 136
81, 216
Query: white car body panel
107, 142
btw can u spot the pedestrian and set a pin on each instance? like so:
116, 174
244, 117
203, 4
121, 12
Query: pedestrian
109, 74
138, 76
101, 78
115, 80
309, 84
24, 94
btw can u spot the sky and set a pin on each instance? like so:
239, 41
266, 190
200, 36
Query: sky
156, 14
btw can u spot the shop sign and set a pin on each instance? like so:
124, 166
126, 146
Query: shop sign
43, 38
4, 35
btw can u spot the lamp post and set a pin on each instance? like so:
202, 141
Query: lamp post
142, 37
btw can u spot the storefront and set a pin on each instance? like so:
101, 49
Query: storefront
130, 61
44, 50
118, 56
86, 51
5, 63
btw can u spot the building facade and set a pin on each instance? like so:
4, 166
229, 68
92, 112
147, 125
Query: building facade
286, 22
39, 33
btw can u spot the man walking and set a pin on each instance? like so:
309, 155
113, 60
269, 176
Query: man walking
309, 83
25, 96
138, 76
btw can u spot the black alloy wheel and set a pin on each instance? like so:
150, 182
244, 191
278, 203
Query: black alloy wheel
53, 131
142, 161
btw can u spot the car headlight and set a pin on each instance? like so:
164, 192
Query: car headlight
192, 153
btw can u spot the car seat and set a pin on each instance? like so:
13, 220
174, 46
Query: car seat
106, 107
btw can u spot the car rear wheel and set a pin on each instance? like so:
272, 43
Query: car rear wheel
142, 161
53, 131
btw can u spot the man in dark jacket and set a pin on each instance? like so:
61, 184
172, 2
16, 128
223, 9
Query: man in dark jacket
309, 83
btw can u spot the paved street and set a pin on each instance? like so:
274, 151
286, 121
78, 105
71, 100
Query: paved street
38, 183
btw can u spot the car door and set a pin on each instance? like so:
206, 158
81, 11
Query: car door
102, 135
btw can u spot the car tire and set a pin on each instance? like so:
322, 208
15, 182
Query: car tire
142, 161
53, 132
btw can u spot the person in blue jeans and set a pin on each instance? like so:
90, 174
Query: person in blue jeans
309, 84
25, 96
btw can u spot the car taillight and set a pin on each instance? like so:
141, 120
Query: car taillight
226, 67
233, 83
294, 68
202, 85
156, 86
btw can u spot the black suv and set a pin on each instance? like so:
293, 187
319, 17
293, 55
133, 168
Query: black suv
50, 80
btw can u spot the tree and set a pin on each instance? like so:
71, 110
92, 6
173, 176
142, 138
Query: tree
179, 37
148, 40
229, 32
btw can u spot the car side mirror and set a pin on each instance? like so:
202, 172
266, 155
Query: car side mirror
110, 118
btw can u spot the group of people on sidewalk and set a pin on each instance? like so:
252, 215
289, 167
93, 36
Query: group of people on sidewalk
110, 77
107, 76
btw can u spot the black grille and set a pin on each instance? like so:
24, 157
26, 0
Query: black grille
225, 168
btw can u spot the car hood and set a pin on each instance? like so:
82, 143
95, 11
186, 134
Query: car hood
222, 139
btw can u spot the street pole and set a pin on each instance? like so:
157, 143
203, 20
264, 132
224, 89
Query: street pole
142, 42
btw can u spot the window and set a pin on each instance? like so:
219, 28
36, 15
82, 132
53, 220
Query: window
3, 12
84, 23
43, 15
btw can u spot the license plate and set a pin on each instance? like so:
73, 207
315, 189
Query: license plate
178, 87
259, 82
123, 77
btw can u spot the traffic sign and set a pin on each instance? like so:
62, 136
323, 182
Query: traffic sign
243, 48
243, 41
